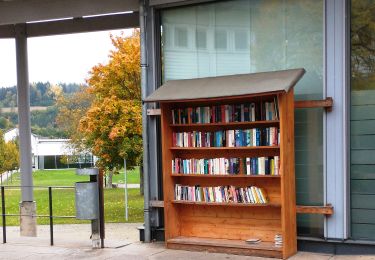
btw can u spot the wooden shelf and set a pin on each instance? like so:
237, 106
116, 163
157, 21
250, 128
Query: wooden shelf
265, 249
230, 204
228, 224
207, 152
225, 126
224, 175
244, 148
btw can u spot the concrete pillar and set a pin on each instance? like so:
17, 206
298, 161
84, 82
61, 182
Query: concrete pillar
27, 205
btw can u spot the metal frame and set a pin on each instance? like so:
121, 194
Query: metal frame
335, 133
337, 127
74, 25
22, 11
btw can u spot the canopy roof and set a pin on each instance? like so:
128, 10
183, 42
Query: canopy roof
225, 86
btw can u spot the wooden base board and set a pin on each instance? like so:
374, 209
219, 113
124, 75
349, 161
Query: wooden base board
236, 247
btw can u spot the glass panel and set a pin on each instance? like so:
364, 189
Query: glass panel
246, 36
362, 119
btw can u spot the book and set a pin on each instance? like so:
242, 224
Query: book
244, 112
253, 240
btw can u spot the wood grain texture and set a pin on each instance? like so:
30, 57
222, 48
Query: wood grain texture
325, 103
287, 164
223, 227
324, 210
237, 247
172, 223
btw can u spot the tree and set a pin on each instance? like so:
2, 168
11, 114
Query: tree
12, 159
9, 155
71, 108
362, 44
112, 127
2, 152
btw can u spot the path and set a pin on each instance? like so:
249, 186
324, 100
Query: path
130, 185
72, 242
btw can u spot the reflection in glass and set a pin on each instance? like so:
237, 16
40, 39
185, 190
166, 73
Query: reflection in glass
362, 119
245, 36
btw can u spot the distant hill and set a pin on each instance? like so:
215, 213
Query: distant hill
41, 93
15, 109
42, 106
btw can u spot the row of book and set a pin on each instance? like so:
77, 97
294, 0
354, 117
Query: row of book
221, 194
216, 166
263, 165
248, 112
269, 136
227, 166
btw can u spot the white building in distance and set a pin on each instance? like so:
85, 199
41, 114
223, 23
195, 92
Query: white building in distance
48, 153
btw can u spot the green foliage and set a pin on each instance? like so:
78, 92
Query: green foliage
363, 44
112, 126
43, 119
9, 155
41, 94
2, 152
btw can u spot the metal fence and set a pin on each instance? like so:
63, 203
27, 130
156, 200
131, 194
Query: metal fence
50, 208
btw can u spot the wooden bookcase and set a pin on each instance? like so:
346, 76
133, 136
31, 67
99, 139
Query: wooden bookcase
224, 227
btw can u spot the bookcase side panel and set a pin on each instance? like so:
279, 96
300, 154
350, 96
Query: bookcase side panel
287, 154
172, 223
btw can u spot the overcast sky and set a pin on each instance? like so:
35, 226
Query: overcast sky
63, 58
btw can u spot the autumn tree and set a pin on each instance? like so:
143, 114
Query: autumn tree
9, 155
71, 108
112, 126
2, 152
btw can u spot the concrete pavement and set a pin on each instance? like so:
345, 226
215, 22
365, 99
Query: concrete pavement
72, 242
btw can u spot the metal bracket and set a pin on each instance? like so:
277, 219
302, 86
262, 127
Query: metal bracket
154, 112
325, 103
157, 203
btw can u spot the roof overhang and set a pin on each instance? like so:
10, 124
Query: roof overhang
227, 86
24, 11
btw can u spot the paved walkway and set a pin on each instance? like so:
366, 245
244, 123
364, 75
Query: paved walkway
130, 185
72, 242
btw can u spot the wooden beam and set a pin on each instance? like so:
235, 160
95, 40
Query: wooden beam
79, 25
76, 25
324, 210
24, 11
325, 103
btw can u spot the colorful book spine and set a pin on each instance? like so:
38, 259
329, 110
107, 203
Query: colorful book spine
261, 165
247, 112
221, 194
228, 138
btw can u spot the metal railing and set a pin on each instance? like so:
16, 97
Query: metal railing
50, 207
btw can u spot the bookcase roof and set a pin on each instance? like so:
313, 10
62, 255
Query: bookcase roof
226, 86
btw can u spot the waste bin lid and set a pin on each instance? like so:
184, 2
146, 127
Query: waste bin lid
87, 171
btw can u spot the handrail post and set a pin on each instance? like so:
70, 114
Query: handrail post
50, 214
3, 214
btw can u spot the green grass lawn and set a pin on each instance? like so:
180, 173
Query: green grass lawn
67, 177
63, 199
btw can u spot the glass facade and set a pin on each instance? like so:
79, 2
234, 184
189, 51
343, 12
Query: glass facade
362, 120
246, 36
64, 162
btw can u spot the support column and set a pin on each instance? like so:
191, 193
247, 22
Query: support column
27, 205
